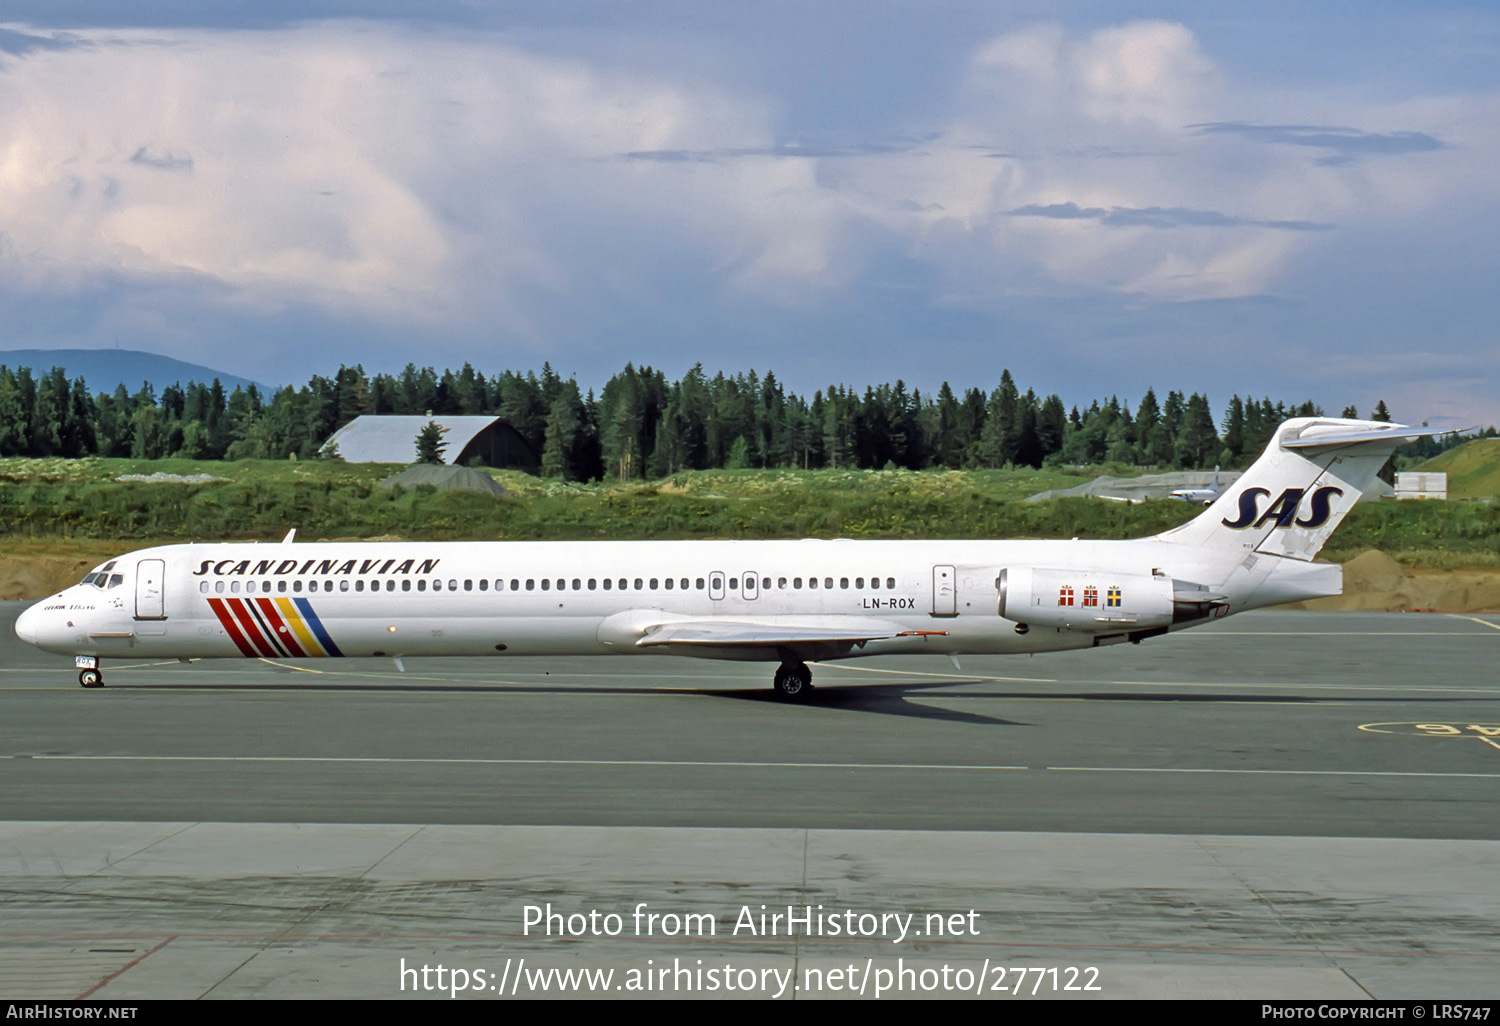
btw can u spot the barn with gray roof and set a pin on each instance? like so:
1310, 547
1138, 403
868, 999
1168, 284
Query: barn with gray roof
381, 438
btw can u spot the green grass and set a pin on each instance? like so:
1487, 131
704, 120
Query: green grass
1473, 469
43, 502
261, 499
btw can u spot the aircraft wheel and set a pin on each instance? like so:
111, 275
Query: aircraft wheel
793, 682
91, 678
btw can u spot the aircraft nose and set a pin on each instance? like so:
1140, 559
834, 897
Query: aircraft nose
28, 625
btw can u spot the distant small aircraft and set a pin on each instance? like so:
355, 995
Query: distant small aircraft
782, 602
1199, 496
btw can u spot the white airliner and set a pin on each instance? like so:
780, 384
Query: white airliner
787, 602
1199, 496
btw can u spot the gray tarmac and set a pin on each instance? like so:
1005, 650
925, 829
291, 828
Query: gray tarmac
1293, 805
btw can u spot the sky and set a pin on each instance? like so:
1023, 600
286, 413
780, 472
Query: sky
1274, 199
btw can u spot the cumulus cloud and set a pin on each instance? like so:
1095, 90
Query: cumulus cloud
1057, 146
1105, 162
238, 158
1152, 71
1141, 73
371, 169
471, 183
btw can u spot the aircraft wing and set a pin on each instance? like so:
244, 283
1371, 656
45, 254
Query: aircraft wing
731, 633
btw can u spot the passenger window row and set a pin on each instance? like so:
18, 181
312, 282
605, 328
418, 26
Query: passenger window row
545, 584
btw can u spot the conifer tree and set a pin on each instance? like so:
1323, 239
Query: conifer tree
430, 443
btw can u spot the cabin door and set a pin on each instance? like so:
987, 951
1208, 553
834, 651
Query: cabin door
149, 574
944, 592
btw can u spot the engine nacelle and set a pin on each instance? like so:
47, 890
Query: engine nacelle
1085, 600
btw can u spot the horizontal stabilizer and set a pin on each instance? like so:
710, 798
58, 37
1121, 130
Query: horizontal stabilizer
1323, 436
1292, 498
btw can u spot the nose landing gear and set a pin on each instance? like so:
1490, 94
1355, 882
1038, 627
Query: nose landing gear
89, 674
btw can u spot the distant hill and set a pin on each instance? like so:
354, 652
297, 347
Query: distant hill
105, 369
1473, 469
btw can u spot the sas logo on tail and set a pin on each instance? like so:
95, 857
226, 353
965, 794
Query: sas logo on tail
1283, 512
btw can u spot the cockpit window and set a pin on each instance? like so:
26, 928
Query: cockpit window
115, 580
100, 578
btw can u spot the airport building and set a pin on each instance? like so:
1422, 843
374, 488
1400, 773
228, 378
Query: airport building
490, 441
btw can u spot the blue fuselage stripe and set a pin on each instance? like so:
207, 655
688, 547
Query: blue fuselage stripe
311, 619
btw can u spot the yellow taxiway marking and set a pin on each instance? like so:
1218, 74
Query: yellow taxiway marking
1486, 732
1475, 619
286, 666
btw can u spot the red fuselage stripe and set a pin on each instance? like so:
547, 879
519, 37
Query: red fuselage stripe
266, 630
283, 633
230, 628
247, 622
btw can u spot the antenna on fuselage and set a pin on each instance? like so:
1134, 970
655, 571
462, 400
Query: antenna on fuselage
291, 536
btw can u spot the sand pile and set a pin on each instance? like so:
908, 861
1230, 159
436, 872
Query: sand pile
1375, 581
33, 577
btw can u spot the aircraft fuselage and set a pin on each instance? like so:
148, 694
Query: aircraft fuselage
531, 598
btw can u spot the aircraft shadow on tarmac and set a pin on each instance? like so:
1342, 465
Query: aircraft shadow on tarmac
881, 699
890, 699
885, 699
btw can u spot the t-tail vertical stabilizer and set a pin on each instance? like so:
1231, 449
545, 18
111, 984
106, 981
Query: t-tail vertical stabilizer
1255, 544
1291, 499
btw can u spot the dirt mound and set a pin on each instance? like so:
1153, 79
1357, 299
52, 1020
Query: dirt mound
1374, 581
32, 577
1456, 591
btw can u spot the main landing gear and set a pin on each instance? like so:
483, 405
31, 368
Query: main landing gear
793, 682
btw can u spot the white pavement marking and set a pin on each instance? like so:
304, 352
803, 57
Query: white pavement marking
1265, 772
670, 763
701, 764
